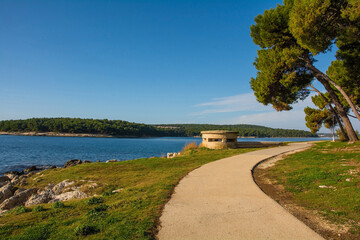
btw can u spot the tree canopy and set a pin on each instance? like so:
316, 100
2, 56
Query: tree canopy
290, 36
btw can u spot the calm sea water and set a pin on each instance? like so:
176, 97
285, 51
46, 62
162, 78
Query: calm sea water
19, 152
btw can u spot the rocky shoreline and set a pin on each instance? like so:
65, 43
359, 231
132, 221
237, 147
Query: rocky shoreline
13, 195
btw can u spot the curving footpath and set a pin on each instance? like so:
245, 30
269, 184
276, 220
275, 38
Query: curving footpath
221, 201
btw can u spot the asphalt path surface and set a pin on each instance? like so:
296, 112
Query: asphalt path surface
220, 200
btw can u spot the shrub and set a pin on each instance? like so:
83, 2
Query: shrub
86, 229
101, 207
108, 193
21, 209
98, 211
58, 205
190, 146
94, 200
38, 209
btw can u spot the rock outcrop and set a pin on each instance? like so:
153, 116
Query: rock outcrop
18, 199
42, 196
6, 192
72, 162
112, 160
13, 174
58, 188
30, 169
12, 195
75, 194
171, 155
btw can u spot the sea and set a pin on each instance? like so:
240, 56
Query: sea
20, 152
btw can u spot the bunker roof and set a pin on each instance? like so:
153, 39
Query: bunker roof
218, 132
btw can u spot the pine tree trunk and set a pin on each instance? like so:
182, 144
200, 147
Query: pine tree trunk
336, 115
346, 138
338, 87
347, 124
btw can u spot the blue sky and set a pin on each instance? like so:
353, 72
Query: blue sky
140, 61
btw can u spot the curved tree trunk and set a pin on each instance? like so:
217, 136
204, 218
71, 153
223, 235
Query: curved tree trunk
347, 124
338, 87
334, 113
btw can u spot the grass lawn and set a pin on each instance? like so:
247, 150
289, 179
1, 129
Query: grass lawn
325, 178
144, 185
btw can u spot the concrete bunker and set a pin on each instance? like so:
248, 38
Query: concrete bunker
216, 139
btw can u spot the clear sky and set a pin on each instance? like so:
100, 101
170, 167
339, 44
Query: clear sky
140, 61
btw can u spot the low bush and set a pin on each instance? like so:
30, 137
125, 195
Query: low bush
58, 205
94, 200
21, 209
38, 209
190, 146
86, 229
98, 211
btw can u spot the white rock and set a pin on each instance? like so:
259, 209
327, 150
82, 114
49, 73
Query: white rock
118, 190
112, 160
6, 192
18, 199
68, 196
324, 186
42, 196
58, 188
171, 155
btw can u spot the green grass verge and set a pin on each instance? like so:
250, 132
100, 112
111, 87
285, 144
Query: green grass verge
325, 178
132, 213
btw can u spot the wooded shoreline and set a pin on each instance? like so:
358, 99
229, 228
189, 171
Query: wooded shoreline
54, 134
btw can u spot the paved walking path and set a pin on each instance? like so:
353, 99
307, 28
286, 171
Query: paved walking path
221, 201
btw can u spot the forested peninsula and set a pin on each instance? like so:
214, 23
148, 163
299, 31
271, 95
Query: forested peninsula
119, 128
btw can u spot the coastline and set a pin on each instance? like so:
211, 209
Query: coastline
95, 135
55, 134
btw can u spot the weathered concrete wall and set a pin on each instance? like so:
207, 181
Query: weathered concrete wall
219, 139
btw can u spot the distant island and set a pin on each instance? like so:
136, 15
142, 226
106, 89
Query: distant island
118, 128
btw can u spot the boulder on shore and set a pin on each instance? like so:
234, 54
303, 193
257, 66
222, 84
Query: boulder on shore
112, 160
13, 174
72, 162
76, 194
42, 196
6, 192
18, 199
58, 188
4, 179
30, 169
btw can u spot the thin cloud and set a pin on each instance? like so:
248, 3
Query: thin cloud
252, 112
286, 119
237, 103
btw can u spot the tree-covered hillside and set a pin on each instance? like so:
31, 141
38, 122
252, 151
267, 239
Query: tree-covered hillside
244, 130
124, 128
78, 125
